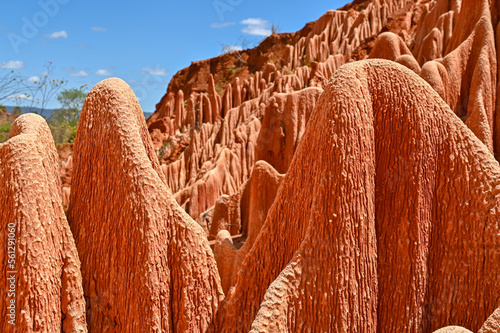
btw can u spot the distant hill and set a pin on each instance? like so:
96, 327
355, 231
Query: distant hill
25, 109
48, 112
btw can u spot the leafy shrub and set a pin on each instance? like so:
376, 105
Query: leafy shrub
5, 127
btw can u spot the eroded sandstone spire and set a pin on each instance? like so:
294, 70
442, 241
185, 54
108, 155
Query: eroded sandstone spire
389, 207
41, 284
146, 265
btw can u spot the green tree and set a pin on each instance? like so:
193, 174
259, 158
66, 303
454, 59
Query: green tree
71, 101
63, 122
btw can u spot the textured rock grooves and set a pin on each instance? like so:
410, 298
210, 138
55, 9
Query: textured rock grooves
217, 162
449, 43
218, 159
466, 76
246, 211
48, 283
369, 225
285, 113
146, 265
358, 197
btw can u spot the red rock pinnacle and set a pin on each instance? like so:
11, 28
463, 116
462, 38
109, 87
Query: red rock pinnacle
146, 265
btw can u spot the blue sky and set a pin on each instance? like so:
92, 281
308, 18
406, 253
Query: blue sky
143, 42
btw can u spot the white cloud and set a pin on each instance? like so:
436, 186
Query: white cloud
103, 72
254, 21
12, 64
100, 29
79, 74
57, 34
256, 27
222, 25
34, 79
154, 71
231, 48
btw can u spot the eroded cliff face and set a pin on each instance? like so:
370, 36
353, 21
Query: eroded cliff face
448, 43
221, 104
207, 148
345, 176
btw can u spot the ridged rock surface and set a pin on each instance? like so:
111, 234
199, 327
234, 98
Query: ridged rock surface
218, 156
390, 205
284, 123
389, 46
387, 217
452, 329
450, 43
249, 209
146, 265
40, 267
492, 324
218, 159
460, 63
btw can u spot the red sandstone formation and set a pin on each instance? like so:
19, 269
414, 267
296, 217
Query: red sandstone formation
387, 218
218, 160
371, 225
465, 76
146, 265
283, 125
41, 285
245, 213
449, 43
220, 157
389, 46
65, 152
492, 324
283, 63
497, 123
452, 329
409, 61
229, 148
196, 96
